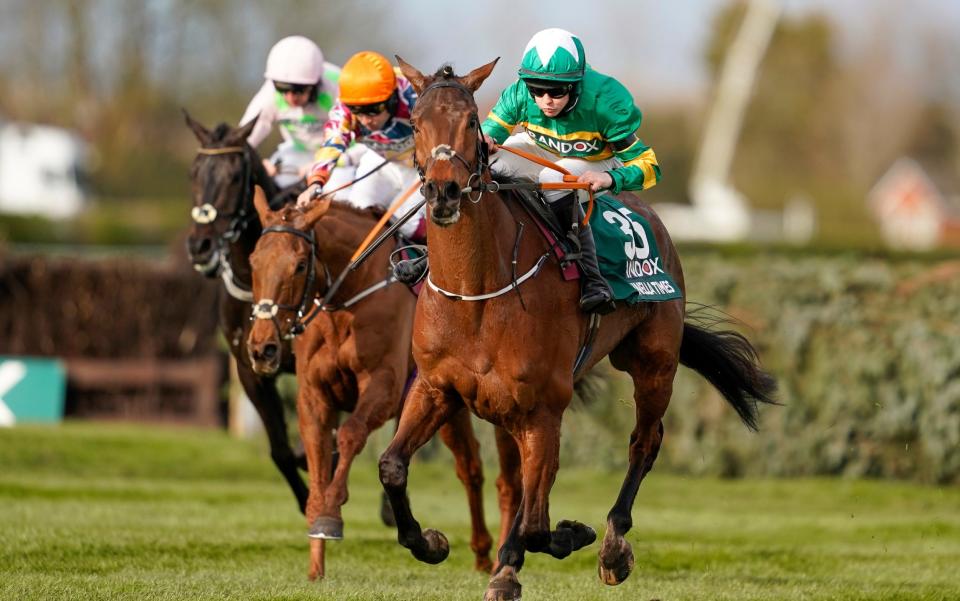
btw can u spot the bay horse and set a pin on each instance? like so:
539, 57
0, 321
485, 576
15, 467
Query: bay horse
509, 354
224, 231
351, 356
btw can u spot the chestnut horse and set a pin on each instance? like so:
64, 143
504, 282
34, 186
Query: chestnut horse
224, 231
352, 356
509, 358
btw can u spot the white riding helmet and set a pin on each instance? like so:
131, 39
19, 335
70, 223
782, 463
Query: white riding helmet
295, 59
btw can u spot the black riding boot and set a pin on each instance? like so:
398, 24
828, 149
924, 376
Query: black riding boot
595, 293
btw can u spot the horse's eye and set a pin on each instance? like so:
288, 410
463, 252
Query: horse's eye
473, 122
301, 266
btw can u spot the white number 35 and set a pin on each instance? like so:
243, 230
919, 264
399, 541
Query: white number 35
636, 246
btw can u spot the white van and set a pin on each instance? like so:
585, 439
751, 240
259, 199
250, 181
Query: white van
42, 170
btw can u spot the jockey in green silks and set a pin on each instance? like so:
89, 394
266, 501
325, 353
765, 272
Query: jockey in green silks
583, 121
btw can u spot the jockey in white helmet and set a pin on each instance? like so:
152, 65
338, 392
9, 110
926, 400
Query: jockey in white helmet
297, 95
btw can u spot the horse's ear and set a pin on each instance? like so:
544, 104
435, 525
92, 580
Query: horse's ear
416, 78
262, 205
476, 77
202, 133
316, 210
239, 136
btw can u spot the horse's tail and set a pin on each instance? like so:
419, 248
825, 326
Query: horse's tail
729, 362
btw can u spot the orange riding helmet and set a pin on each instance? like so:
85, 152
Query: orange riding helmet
366, 78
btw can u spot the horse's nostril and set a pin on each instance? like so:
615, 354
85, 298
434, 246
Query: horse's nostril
270, 351
451, 190
204, 246
429, 190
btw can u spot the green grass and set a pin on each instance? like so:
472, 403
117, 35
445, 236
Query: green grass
92, 511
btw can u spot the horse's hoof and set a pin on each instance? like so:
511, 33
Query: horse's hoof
505, 587
437, 547
583, 535
616, 561
328, 528
386, 512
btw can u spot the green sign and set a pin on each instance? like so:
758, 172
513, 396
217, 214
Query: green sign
31, 390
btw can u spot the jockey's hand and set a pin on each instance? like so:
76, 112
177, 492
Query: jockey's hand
598, 180
270, 168
491, 143
306, 197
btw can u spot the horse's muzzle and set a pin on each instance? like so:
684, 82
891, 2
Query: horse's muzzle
443, 199
204, 254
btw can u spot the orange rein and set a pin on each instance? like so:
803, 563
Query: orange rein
569, 180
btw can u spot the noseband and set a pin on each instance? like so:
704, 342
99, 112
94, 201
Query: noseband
207, 213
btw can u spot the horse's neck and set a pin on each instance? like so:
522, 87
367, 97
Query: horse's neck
240, 251
338, 235
260, 178
474, 255
242, 247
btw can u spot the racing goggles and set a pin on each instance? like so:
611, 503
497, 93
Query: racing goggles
296, 88
367, 109
553, 92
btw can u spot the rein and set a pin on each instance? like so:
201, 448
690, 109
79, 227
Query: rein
239, 218
268, 308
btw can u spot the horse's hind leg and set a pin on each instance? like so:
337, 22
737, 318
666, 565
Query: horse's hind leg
262, 392
424, 411
458, 435
652, 370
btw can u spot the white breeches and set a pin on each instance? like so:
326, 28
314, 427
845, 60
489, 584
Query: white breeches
384, 186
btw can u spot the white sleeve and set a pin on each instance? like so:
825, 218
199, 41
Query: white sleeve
263, 105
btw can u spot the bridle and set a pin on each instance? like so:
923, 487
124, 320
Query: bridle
267, 308
241, 215
444, 152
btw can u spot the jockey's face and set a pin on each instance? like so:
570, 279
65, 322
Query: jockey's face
551, 107
373, 122
294, 94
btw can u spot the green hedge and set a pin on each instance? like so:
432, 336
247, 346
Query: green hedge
867, 354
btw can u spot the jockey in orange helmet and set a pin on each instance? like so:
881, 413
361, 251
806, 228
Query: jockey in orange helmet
373, 109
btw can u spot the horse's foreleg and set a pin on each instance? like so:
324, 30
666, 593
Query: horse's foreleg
539, 445
653, 385
262, 392
424, 411
509, 484
458, 435
378, 398
316, 419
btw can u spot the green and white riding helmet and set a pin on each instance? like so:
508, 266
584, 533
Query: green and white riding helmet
553, 55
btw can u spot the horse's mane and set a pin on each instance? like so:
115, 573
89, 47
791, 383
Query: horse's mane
290, 213
445, 72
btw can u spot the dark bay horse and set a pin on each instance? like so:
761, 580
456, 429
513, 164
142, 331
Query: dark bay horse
354, 357
509, 358
224, 231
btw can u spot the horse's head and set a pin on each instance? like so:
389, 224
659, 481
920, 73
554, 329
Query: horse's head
221, 179
450, 152
284, 277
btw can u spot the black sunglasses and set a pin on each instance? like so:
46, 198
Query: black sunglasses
367, 109
296, 88
559, 92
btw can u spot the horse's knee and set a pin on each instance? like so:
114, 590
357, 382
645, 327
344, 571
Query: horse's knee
393, 472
